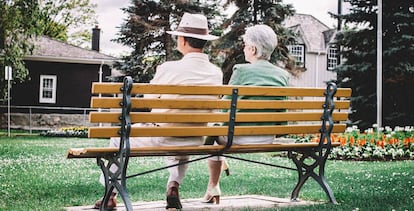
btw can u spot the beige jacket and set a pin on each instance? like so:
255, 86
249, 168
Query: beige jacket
192, 69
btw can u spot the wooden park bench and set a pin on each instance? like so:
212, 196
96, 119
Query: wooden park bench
305, 110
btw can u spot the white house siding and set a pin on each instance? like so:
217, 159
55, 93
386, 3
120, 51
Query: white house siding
311, 33
316, 74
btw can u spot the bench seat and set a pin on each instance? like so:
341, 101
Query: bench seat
191, 150
297, 110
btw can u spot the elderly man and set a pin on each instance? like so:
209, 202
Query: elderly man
193, 68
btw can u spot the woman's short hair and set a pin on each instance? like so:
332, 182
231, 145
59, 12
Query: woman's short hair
263, 38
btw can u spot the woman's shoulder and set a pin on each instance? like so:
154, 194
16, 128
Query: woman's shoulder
261, 65
245, 66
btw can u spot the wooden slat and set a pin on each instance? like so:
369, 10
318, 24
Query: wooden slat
190, 150
109, 102
107, 132
148, 117
294, 114
111, 88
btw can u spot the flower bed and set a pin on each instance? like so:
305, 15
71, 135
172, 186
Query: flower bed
372, 144
67, 132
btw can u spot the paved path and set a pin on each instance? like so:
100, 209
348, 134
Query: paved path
230, 203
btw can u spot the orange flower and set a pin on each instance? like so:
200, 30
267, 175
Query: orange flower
334, 137
342, 140
362, 142
351, 141
393, 141
406, 141
381, 144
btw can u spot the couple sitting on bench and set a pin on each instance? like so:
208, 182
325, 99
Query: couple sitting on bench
196, 69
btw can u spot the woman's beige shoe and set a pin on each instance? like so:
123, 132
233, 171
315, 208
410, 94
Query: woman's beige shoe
212, 195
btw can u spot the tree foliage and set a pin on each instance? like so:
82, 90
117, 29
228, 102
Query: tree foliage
359, 69
22, 20
68, 20
19, 22
145, 32
229, 50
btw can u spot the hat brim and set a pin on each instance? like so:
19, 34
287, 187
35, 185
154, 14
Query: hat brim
198, 36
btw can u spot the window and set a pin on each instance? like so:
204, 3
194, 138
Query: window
332, 60
47, 92
298, 52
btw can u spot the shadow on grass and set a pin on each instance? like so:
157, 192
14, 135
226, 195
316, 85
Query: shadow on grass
36, 175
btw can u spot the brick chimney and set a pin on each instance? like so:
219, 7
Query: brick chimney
96, 34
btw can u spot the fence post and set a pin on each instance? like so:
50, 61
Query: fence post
84, 117
30, 119
8, 74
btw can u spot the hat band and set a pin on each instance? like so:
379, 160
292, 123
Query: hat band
193, 30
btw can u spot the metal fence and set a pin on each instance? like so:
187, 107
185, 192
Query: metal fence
43, 117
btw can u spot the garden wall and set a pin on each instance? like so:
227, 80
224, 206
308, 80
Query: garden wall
43, 121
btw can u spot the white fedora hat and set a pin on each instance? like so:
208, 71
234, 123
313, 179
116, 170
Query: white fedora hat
193, 25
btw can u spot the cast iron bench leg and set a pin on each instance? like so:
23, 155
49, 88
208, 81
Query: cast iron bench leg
114, 180
305, 171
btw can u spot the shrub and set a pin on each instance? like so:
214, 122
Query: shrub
372, 144
79, 131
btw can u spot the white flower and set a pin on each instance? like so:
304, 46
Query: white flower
400, 152
388, 128
398, 128
369, 130
349, 130
366, 155
378, 152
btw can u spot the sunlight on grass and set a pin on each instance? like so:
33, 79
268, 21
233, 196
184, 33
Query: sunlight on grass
35, 170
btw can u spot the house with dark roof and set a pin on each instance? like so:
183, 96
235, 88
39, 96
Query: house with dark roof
314, 50
60, 75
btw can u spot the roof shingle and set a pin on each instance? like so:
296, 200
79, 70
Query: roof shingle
48, 49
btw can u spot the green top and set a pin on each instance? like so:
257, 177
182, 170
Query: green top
260, 73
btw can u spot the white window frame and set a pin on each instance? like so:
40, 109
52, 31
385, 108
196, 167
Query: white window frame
298, 52
332, 57
50, 88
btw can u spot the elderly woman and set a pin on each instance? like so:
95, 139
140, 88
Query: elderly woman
259, 43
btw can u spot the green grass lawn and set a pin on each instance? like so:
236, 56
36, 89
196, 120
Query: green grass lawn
35, 175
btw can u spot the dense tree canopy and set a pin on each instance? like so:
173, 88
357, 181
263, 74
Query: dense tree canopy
229, 50
359, 69
144, 32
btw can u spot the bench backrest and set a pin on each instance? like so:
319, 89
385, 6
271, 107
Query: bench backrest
302, 108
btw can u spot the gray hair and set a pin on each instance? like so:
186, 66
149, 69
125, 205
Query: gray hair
263, 38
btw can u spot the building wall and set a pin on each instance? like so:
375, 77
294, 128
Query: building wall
73, 84
316, 74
